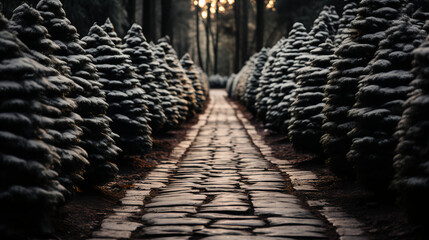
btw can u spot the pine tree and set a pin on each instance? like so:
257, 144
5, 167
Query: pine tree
204, 82
136, 46
194, 76
179, 80
354, 54
282, 85
229, 84
306, 111
98, 138
344, 28
170, 100
29, 191
323, 28
418, 10
26, 23
378, 106
64, 133
264, 82
254, 79
238, 86
110, 29
127, 107
411, 177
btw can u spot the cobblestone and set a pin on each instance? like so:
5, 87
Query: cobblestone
220, 184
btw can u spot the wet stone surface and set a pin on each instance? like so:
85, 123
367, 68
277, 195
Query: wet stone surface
224, 189
221, 183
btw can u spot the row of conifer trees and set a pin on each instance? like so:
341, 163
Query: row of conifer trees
71, 107
353, 90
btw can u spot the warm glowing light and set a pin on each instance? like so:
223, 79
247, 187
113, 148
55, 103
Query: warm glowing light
221, 9
222, 1
204, 14
201, 3
231, 2
213, 10
270, 4
195, 2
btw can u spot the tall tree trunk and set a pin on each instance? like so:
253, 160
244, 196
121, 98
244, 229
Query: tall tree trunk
149, 20
260, 8
131, 10
197, 29
216, 46
237, 16
245, 31
208, 29
166, 28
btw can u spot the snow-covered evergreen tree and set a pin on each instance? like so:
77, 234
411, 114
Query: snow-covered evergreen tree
323, 28
306, 111
29, 191
344, 28
170, 100
127, 106
379, 101
142, 57
110, 29
98, 138
412, 153
229, 84
26, 23
267, 75
252, 83
333, 21
282, 83
354, 54
418, 10
238, 85
64, 133
178, 78
194, 76
204, 79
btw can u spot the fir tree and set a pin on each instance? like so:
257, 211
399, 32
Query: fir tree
344, 28
170, 100
194, 76
411, 160
253, 81
26, 23
354, 54
306, 111
264, 82
204, 82
238, 86
110, 29
282, 85
323, 28
29, 191
178, 80
142, 57
127, 107
378, 106
97, 138
64, 133
418, 10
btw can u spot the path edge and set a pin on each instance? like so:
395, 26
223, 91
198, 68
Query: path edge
346, 227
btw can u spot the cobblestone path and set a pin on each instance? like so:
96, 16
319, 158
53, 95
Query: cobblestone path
222, 188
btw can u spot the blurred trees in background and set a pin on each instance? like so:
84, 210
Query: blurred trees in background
234, 34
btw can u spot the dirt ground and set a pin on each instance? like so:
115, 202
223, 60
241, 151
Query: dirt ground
84, 213
383, 219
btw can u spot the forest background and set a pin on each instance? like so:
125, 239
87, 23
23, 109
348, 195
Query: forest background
235, 27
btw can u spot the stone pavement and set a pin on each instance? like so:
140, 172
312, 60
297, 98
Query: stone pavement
218, 184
